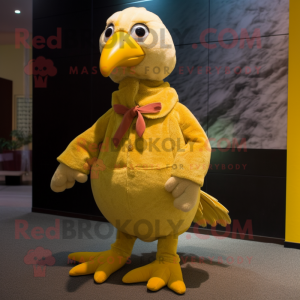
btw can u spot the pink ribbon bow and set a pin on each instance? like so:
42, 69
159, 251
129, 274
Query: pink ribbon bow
129, 115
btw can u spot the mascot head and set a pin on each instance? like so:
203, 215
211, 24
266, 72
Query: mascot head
136, 43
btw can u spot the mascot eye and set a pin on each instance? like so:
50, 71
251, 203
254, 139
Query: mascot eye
108, 32
139, 32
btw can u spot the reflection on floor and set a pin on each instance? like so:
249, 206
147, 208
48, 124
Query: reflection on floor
16, 196
212, 268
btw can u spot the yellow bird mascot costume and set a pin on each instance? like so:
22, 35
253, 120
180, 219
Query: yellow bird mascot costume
147, 156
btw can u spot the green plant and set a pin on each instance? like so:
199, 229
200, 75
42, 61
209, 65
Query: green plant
21, 137
2, 144
12, 145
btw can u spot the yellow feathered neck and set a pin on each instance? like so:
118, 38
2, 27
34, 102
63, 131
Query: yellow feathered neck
133, 91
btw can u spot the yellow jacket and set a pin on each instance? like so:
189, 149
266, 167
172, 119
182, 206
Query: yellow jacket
128, 181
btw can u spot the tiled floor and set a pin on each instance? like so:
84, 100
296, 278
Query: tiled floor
213, 268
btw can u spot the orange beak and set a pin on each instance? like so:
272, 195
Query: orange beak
121, 50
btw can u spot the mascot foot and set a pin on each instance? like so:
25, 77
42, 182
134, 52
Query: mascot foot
101, 264
158, 274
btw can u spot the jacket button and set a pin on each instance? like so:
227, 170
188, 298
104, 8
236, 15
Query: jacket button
130, 147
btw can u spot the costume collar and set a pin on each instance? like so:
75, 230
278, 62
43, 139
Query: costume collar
133, 92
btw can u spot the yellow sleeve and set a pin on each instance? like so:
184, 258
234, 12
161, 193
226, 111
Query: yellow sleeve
84, 149
193, 159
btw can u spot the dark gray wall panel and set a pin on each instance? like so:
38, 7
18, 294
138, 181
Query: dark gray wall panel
76, 32
190, 80
261, 200
251, 106
271, 17
48, 8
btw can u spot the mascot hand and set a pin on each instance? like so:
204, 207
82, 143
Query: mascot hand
184, 191
64, 178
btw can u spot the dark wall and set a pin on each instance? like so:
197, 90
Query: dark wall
6, 92
249, 108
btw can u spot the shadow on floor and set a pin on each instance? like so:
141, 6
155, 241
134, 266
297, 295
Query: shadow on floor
193, 275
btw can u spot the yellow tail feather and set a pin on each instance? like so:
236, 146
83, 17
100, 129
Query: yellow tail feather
211, 212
